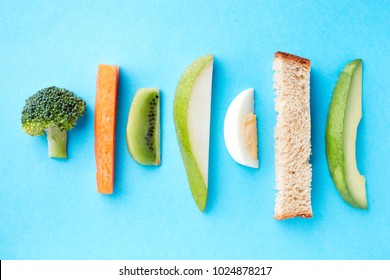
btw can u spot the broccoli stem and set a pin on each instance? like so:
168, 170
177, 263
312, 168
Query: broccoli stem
56, 139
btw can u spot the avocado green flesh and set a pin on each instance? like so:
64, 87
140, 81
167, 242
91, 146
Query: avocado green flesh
143, 127
345, 112
353, 114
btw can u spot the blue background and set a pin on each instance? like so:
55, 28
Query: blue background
50, 209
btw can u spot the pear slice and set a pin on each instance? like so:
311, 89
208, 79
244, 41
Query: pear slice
240, 130
345, 112
191, 112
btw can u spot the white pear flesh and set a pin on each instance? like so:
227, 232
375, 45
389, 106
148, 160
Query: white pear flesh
198, 118
241, 106
192, 110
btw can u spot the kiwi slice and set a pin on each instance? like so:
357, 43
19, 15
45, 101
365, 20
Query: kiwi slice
143, 127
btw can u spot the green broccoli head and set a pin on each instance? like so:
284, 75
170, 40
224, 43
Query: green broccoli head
51, 107
55, 111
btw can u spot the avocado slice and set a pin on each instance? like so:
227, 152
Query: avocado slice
344, 115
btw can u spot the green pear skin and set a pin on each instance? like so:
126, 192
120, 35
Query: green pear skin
196, 181
343, 118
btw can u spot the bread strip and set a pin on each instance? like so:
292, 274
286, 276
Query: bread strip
292, 136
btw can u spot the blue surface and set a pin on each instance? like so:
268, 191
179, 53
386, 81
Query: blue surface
50, 209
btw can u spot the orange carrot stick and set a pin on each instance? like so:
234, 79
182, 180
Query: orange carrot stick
105, 115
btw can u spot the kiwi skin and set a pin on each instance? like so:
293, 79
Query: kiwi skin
143, 127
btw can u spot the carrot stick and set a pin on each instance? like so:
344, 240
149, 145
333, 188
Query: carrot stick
105, 114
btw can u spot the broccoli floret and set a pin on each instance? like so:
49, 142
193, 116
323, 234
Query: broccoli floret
55, 111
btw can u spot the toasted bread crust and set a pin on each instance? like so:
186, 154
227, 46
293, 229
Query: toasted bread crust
302, 215
304, 62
